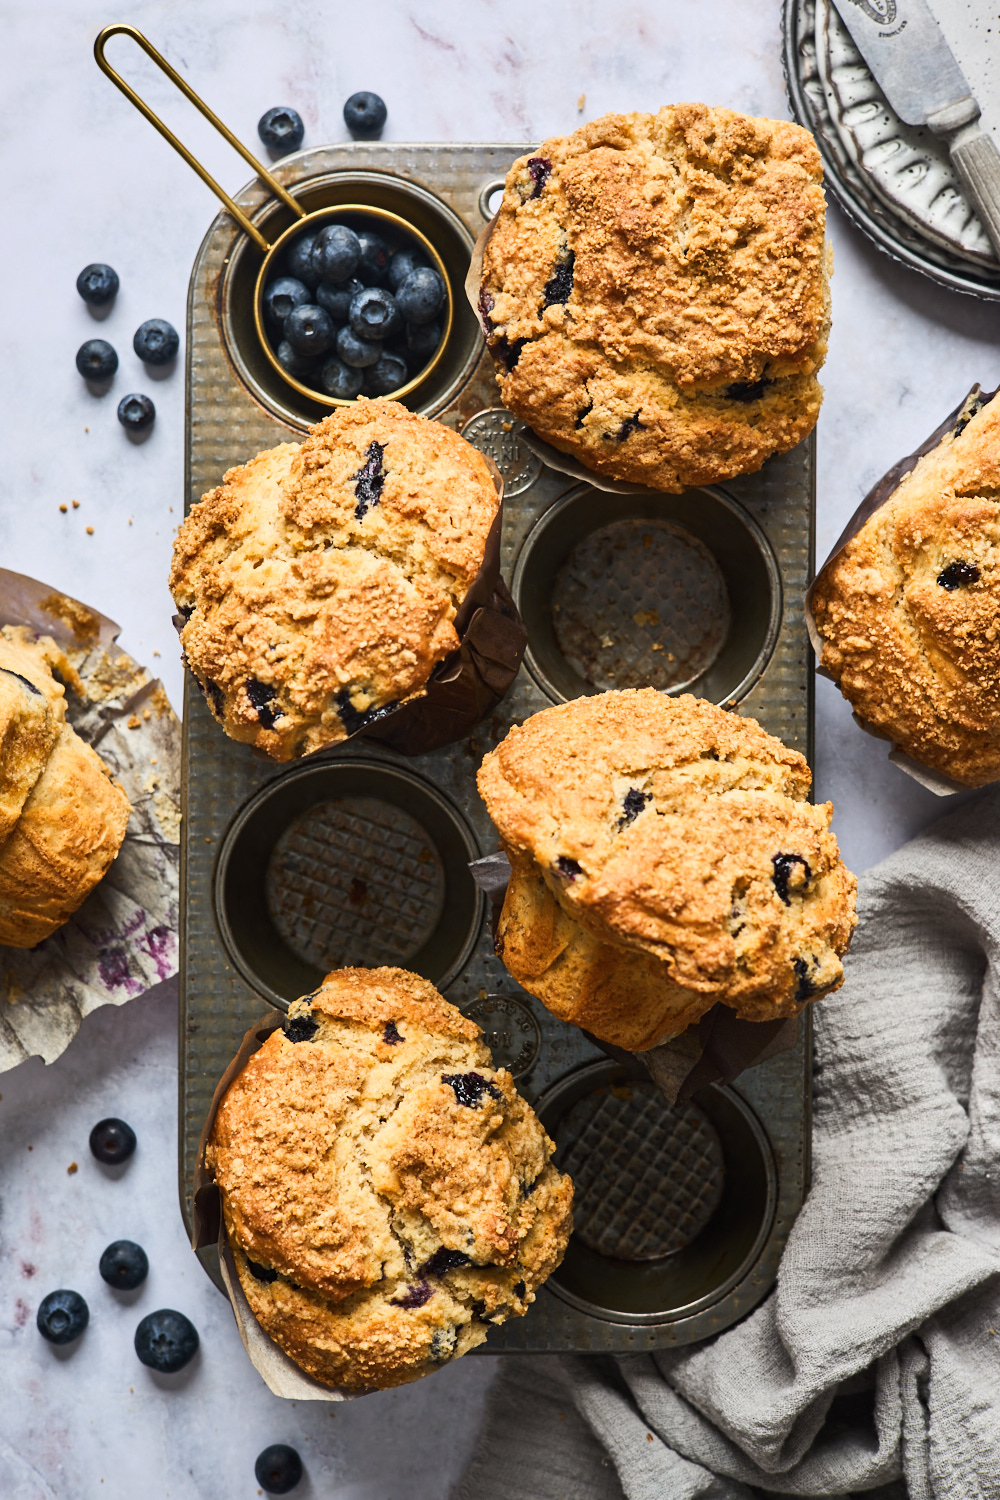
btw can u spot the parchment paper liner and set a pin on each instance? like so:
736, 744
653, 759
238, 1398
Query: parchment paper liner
279, 1373
934, 781
716, 1049
123, 939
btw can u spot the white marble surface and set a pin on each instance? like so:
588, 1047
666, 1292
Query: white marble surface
86, 179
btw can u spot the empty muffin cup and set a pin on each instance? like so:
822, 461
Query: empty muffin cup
346, 864
675, 592
672, 1205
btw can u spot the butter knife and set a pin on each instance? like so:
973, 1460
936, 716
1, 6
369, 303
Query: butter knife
915, 68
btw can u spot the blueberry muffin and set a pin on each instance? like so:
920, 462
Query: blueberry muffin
318, 586
908, 611
62, 817
387, 1194
654, 293
664, 857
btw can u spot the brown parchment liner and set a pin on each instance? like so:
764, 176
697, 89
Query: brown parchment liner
716, 1049
934, 781
123, 939
279, 1372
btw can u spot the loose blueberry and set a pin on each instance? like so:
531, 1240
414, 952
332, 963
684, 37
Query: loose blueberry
357, 352
335, 297
421, 295
299, 259
301, 366
336, 253
422, 339
281, 129
97, 284
386, 375
470, 1088
309, 329
400, 266
374, 262
136, 413
156, 341
282, 296
112, 1141
166, 1340
365, 114
341, 381
96, 360
278, 1469
62, 1316
124, 1265
373, 314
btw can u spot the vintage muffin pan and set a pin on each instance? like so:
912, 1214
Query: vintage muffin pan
360, 856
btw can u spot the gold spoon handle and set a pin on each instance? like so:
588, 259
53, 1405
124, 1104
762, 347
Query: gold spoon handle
161, 62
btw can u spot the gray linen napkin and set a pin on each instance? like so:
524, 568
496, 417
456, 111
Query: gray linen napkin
877, 1356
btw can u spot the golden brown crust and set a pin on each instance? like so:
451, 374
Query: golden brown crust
918, 658
654, 293
672, 828
394, 1190
313, 596
62, 817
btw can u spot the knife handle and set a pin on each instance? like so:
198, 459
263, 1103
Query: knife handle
978, 163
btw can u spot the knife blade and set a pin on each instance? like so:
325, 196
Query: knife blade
915, 68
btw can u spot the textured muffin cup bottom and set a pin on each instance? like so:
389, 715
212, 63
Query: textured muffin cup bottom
681, 593
698, 1185
348, 863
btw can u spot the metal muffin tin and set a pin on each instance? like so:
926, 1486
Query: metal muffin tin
358, 854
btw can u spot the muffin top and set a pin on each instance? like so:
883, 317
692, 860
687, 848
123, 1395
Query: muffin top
654, 292
909, 610
672, 826
386, 1192
32, 707
319, 584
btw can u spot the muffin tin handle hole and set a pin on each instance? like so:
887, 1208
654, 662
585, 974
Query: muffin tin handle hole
491, 196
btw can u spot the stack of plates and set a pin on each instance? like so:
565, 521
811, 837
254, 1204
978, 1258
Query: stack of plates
895, 181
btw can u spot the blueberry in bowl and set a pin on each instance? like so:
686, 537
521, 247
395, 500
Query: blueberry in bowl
400, 266
341, 380
421, 296
385, 376
96, 360
336, 253
97, 284
112, 1141
360, 353
124, 1265
281, 297
298, 261
374, 260
136, 413
309, 329
278, 1469
62, 1316
373, 314
300, 366
156, 341
335, 297
281, 129
166, 1340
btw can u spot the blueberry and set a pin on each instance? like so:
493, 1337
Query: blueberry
282, 296
387, 374
340, 380
336, 253
400, 266
278, 1469
357, 352
422, 339
112, 1141
298, 259
136, 413
62, 1316
373, 314
955, 576
470, 1088
334, 297
309, 329
300, 366
300, 1028
374, 260
97, 284
124, 1265
96, 360
421, 295
166, 1340
156, 341
281, 129
365, 114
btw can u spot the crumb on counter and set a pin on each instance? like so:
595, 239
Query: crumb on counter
73, 1167
76, 505
64, 508
90, 531
133, 722
581, 102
